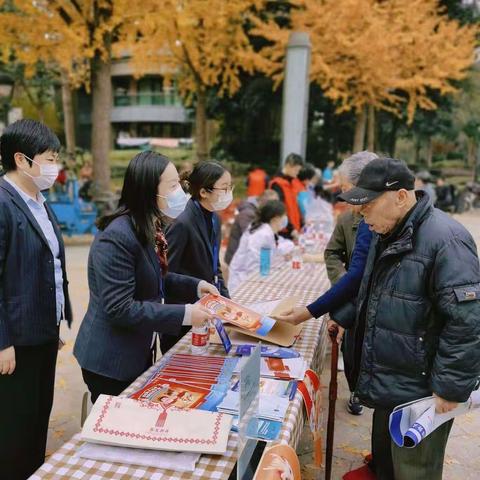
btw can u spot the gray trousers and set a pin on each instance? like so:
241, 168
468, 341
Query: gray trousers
390, 462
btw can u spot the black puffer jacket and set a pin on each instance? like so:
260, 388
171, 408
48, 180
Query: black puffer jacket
422, 314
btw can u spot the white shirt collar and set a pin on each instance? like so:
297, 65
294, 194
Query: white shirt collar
26, 198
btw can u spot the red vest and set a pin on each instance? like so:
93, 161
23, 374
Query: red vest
290, 199
256, 182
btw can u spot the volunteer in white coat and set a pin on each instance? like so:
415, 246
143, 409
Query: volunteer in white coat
262, 233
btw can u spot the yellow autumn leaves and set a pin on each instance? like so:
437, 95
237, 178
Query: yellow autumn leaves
375, 53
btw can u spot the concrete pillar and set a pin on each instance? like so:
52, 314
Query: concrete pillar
295, 96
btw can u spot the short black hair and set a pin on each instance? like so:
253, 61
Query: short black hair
204, 175
307, 172
139, 194
28, 137
294, 159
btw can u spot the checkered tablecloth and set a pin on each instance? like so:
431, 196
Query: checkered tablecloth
306, 284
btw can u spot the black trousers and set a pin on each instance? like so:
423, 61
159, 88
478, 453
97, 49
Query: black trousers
26, 399
98, 384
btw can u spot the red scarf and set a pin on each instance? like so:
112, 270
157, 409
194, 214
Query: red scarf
161, 247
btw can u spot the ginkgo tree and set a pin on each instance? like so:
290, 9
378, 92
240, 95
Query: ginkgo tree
75, 37
201, 44
371, 54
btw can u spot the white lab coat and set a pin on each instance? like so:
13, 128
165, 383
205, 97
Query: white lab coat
247, 257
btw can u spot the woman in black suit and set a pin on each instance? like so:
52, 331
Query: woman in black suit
195, 236
130, 280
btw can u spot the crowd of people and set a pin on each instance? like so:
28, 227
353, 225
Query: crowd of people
405, 295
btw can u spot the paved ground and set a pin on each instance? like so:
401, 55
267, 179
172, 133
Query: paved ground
352, 433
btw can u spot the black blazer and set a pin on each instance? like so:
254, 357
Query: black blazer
125, 307
28, 313
189, 247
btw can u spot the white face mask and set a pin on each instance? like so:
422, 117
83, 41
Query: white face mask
47, 177
224, 200
284, 223
176, 202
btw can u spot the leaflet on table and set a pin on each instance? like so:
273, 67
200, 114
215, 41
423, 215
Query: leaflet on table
230, 312
172, 393
272, 386
287, 369
211, 372
268, 351
130, 423
271, 407
186, 383
411, 422
267, 430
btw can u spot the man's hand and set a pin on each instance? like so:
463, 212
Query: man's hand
333, 326
294, 316
442, 405
205, 288
7, 361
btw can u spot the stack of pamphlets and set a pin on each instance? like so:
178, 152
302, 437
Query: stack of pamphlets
183, 381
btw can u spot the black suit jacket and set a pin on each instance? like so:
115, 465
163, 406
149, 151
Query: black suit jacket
189, 247
125, 307
28, 314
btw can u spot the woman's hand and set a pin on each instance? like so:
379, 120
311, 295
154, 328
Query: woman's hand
294, 316
205, 288
7, 361
200, 316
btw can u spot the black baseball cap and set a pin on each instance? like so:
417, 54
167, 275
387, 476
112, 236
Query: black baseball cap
379, 176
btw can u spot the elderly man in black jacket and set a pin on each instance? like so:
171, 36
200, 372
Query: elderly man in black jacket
417, 320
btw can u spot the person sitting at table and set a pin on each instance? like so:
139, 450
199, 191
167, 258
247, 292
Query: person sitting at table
129, 280
195, 237
262, 233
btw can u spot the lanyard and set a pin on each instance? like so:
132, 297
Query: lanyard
213, 246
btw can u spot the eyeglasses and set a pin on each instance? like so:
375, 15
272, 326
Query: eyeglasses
225, 190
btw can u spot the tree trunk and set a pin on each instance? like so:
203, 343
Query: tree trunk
359, 138
392, 137
201, 139
68, 117
101, 129
471, 152
429, 152
418, 146
371, 129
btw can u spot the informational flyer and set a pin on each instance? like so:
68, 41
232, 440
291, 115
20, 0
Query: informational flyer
231, 312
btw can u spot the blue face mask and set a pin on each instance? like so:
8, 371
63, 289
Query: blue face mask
284, 223
176, 202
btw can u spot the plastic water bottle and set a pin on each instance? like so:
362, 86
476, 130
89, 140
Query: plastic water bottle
265, 260
297, 259
200, 339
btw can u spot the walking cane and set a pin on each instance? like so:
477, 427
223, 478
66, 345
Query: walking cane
332, 398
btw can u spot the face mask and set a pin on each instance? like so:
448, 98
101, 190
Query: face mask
224, 200
176, 202
284, 223
47, 177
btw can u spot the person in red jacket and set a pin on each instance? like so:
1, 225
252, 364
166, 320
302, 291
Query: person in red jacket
257, 182
284, 184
